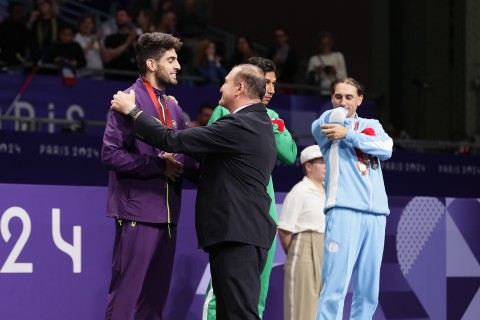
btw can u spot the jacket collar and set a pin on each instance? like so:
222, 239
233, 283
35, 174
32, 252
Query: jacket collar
253, 107
155, 90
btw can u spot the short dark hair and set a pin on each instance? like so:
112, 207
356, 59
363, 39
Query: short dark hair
349, 81
206, 105
266, 65
123, 8
67, 26
153, 45
87, 15
253, 79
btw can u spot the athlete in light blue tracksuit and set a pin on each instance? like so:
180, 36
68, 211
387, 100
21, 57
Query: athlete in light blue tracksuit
356, 203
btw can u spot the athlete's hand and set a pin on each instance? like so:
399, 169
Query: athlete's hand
173, 168
334, 131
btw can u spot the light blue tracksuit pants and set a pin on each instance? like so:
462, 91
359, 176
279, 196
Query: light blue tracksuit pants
354, 243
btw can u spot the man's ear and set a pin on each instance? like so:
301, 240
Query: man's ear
308, 166
360, 100
240, 88
151, 65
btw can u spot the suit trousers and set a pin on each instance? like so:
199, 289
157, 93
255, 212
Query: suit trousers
235, 268
303, 276
209, 306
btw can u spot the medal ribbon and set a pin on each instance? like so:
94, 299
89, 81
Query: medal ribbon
160, 109
162, 112
357, 151
362, 163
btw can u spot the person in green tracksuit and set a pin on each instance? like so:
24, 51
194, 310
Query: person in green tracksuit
286, 153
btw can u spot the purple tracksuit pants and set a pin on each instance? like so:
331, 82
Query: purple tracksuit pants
142, 266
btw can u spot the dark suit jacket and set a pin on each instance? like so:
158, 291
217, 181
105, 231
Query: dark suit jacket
237, 155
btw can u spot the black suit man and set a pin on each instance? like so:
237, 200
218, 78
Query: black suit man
237, 155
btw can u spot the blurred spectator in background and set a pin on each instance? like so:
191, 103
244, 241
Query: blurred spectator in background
145, 21
326, 66
204, 113
119, 47
14, 36
157, 7
283, 56
243, 51
164, 5
44, 27
66, 54
109, 26
66, 51
208, 64
91, 43
167, 23
193, 17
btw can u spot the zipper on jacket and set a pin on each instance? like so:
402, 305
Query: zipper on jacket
371, 190
167, 198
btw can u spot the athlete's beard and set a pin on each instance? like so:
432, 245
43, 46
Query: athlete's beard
162, 78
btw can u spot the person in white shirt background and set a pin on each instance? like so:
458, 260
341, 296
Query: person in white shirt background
301, 230
326, 66
91, 44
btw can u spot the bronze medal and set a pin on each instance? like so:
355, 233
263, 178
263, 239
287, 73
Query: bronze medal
362, 166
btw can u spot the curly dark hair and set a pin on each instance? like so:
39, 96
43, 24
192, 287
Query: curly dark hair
153, 45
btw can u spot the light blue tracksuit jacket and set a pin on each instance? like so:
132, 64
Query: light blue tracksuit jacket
345, 186
356, 206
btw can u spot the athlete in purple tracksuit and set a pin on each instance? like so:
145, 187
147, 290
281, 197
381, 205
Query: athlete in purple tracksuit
143, 190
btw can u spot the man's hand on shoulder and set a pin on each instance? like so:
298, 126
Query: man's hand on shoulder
123, 102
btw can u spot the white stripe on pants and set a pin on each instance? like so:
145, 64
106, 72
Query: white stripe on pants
303, 274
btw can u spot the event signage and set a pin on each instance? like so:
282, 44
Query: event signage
56, 249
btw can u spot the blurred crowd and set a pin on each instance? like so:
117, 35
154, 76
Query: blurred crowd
100, 42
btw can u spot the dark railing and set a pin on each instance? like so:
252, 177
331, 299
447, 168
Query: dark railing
422, 146
71, 10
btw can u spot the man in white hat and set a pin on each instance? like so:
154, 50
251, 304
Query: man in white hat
301, 229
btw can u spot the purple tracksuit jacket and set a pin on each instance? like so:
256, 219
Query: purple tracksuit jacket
137, 188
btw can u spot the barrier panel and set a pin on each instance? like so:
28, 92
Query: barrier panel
56, 246
75, 159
